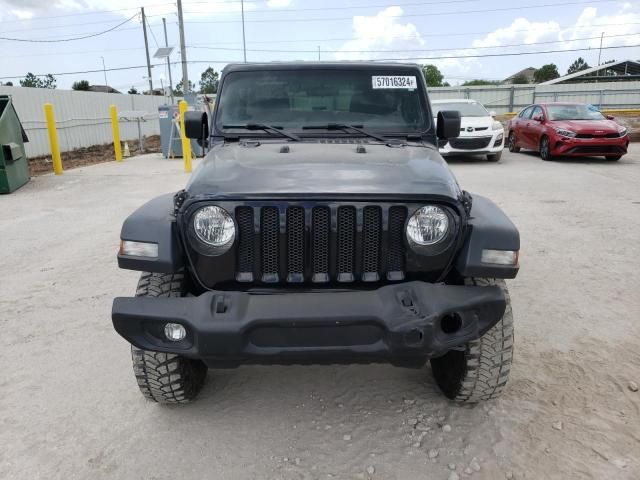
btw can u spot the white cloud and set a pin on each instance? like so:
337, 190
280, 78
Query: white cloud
380, 32
583, 33
374, 35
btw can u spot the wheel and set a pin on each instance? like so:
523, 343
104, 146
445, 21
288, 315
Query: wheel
481, 370
545, 150
494, 157
512, 142
613, 158
165, 377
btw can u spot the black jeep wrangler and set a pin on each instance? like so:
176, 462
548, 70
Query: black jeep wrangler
322, 227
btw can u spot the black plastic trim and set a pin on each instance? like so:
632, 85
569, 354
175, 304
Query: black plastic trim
154, 222
489, 228
392, 323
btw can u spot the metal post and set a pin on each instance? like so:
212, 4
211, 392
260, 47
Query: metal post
166, 44
183, 50
117, 148
104, 69
244, 46
186, 143
512, 91
600, 51
318, 52
53, 138
146, 48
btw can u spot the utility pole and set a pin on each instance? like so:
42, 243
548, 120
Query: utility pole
183, 50
104, 70
146, 48
166, 44
600, 52
244, 45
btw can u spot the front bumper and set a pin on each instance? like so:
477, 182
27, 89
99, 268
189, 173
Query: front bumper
403, 324
581, 147
493, 145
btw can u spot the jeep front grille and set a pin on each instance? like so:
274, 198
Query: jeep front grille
319, 244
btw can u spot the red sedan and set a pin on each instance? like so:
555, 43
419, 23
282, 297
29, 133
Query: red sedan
567, 129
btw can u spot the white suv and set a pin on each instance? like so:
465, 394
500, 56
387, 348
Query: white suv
480, 133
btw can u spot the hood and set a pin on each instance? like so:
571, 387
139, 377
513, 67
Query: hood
234, 170
587, 126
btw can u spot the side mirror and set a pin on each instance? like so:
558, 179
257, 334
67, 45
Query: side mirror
609, 117
492, 113
196, 125
538, 118
448, 125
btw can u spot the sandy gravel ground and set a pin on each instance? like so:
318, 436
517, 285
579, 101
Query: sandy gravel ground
70, 409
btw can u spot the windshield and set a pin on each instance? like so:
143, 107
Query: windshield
573, 112
466, 109
377, 100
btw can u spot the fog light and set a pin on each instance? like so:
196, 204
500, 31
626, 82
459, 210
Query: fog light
500, 257
174, 332
138, 249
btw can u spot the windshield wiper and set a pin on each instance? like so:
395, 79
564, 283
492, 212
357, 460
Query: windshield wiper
344, 126
265, 128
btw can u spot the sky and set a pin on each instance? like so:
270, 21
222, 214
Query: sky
461, 37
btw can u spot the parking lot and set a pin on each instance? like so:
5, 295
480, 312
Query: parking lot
70, 407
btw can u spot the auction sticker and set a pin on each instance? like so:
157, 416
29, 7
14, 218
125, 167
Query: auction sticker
394, 81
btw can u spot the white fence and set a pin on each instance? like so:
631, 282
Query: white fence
512, 98
82, 118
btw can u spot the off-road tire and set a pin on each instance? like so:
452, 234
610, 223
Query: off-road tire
164, 377
512, 142
481, 371
545, 150
494, 157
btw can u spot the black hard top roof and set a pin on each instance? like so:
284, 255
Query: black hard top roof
234, 67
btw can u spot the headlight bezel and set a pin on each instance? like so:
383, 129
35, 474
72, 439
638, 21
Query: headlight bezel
622, 131
497, 126
440, 246
563, 132
199, 243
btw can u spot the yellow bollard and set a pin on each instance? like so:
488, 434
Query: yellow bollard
186, 143
53, 138
116, 133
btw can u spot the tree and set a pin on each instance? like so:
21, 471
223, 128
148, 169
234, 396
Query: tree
133, 91
8, 84
578, 66
209, 81
32, 81
81, 85
179, 91
546, 72
471, 83
520, 79
432, 76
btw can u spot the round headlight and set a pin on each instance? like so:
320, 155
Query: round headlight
214, 226
428, 226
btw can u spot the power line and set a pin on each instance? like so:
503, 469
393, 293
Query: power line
398, 59
419, 49
69, 39
81, 14
420, 35
351, 7
409, 15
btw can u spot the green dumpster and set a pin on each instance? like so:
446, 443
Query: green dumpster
14, 169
